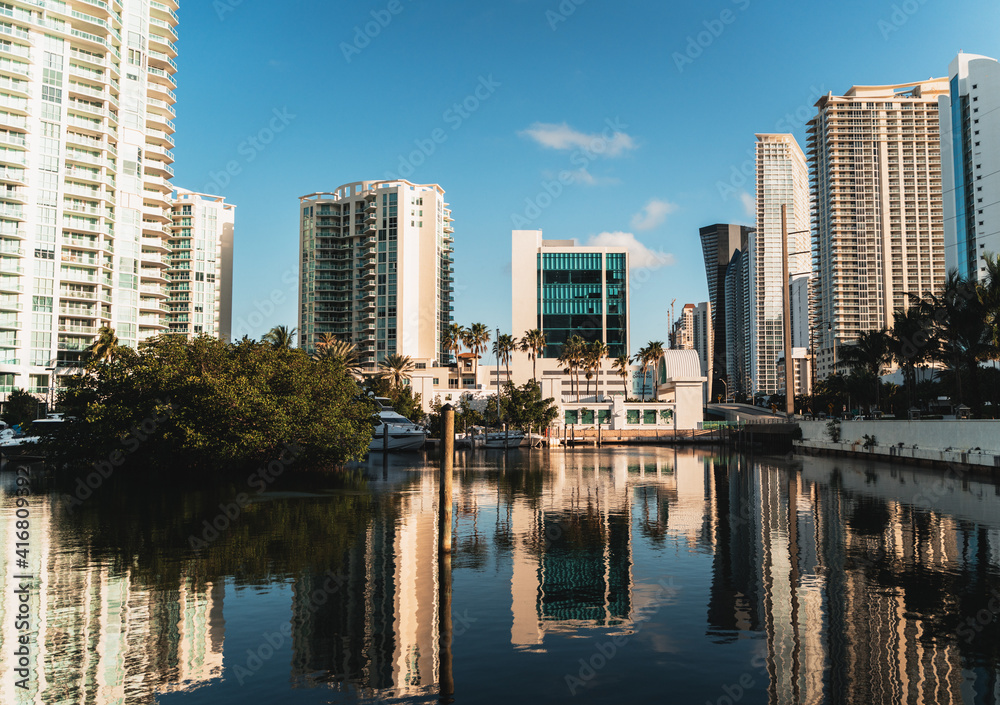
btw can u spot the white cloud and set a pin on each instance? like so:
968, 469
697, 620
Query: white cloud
653, 214
561, 136
749, 204
585, 178
640, 256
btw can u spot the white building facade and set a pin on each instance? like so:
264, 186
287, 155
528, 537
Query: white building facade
969, 115
376, 264
875, 163
200, 266
86, 110
782, 180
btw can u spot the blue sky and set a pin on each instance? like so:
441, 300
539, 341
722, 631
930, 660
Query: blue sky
626, 122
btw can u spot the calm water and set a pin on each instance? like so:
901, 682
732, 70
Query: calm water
579, 576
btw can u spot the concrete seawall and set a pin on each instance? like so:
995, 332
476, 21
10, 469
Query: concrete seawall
965, 443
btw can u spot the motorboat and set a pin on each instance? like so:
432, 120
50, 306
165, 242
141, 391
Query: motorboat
403, 433
512, 438
16, 444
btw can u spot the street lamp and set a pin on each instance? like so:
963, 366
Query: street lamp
48, 392
726, 386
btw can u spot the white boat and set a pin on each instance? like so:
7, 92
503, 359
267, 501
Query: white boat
514, 438
24, 446
403, 433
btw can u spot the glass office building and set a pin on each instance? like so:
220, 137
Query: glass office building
577, 291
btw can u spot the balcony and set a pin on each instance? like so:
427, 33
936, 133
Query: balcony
77, 311
152, 321
88, 331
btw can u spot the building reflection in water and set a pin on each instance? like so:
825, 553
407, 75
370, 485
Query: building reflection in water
849, 585
99, 635
378, 630
855, 580
845, 583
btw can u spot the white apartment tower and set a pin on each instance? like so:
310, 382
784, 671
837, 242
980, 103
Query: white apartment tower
782, 180
200, 266
970, 163
682, 333
86, 109
875, 163
377, 269
693, 331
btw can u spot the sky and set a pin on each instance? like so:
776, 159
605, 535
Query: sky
629, 122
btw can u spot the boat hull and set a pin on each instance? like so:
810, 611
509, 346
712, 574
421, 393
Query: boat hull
514, 440
398, 442
26, 450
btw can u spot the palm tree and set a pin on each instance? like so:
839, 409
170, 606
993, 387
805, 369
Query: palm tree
342, 353
533, 343
989, 294
104, 348
649, 356
911, 342
454, 339
964, 337
871, 352
475, 338
503, 346
397, 369
323, 340
623, 364
280, 337
571, 359
595, 354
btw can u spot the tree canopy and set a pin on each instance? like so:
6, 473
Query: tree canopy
212, 405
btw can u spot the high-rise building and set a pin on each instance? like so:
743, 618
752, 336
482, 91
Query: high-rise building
86, 109
703, 338
970, 163
682, 331
782, 180
376, 269
799, 301
875, 166
200, 266
738, 381
564, 289
693, 331
719, 243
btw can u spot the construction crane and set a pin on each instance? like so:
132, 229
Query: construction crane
670, 329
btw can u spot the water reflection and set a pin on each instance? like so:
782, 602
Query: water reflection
822, 582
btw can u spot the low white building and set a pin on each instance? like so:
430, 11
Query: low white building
675, 404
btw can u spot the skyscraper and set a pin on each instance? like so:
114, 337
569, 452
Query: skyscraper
738, 323
970, 163
718, 244
200, 266
86, 108
782, 180
376, 269
693, 331
875, 164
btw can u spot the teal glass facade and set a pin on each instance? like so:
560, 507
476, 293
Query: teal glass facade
961, 143
585, 294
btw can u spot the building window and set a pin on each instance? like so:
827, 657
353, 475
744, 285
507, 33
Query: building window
39, 384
